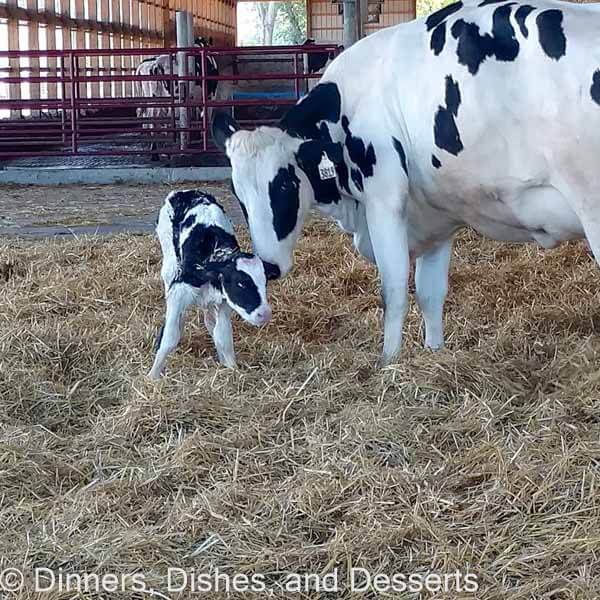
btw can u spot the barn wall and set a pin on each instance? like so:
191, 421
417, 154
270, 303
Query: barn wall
325, 19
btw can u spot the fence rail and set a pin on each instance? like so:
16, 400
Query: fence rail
78, 103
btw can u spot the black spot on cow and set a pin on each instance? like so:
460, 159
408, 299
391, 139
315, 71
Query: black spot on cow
487, 2
242, 205
434, 19
309, 156
285, 201
445, 131
552, 36
363, 158
340, 167
357, 178
323, 103
522, 13
438, 38
595, 89
400, 150
435, 161
473, 48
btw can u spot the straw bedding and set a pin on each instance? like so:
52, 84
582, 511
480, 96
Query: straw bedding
484, 457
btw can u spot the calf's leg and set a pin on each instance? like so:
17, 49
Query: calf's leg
431, 281
177, 303
222, 335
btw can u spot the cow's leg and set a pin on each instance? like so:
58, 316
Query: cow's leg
177, 303
387, 229
431, 280
223, 336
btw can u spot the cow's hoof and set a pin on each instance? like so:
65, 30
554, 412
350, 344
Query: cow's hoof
153, 376
434, 347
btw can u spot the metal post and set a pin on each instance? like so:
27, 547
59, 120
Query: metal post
182, 70
350, 24
364, 15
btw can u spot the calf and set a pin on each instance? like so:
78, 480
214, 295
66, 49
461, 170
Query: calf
203, 265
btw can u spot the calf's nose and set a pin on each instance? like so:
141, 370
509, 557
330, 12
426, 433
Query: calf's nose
264, 315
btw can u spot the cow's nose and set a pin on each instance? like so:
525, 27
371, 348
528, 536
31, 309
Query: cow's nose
271, 271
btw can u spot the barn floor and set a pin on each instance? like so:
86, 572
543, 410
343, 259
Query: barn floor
482, 458
50, 210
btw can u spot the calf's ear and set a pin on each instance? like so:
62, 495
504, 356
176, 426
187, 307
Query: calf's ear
223, 127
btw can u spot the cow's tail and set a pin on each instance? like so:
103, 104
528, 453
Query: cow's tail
138, 89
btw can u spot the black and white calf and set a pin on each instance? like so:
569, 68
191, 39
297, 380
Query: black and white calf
203, 265
485, 114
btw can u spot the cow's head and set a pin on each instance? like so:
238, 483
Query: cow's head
275, 179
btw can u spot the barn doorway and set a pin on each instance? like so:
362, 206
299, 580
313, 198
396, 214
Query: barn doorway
271, 23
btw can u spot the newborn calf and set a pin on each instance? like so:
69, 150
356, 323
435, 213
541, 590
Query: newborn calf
203, 265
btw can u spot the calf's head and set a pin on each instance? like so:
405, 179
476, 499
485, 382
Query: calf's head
276, 180
243, 283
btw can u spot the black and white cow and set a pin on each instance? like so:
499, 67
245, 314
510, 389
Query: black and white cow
203, 265
165, 64
315, 61
485, 114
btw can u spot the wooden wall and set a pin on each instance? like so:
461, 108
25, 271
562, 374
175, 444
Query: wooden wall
325, 20
91, 24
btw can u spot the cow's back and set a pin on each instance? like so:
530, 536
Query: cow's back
487, 101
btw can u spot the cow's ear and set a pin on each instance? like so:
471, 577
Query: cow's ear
223, 127
310, 153
335, 151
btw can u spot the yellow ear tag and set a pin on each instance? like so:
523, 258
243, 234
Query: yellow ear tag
326, 168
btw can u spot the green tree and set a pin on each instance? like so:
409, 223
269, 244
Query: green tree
426, 7
273, 23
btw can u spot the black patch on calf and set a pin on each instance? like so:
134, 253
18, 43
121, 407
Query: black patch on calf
323, 103
487, 2
595, 89
182, 202
400, 150
473, 49
445, 131
240, 287
435, 161
285, 201
522, 13
203, 245
434, 19
364, 159
552, 36
159, 337
438, 38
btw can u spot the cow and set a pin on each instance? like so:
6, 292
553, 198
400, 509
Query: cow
165, 64
315, 61
203, 265
485, 114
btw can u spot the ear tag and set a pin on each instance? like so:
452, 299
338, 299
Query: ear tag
326, 168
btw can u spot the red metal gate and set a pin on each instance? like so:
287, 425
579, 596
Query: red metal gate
85, 102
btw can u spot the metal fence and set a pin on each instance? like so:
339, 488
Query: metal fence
90, 103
